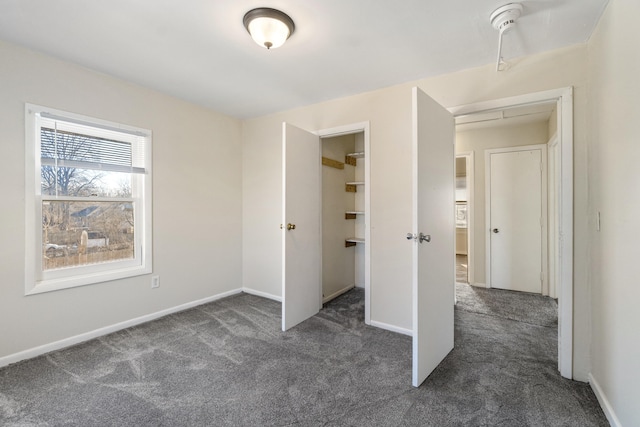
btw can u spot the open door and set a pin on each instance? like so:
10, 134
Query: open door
433, 234
301, 225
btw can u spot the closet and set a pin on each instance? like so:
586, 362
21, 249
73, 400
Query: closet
343, 214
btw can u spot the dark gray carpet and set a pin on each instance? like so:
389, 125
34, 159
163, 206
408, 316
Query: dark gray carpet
227, 364
518, 306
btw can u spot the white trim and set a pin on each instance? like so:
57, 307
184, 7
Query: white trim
392, 328
543, 97
77, 339
62, 283
337, 293
604, 402
553, 157
343, 130
543, 206
480, 285
565, 296
262, 294
564, 99
363, 127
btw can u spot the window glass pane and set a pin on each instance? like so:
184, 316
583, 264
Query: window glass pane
84, 233
68, 181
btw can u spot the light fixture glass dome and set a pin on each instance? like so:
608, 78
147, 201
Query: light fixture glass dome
269, 28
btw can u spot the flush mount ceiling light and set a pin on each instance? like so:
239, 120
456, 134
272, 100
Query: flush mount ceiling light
504, 20
268, 27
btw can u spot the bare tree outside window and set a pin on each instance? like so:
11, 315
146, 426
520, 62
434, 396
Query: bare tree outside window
108, 226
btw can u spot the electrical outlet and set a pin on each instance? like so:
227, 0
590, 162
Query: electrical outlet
155, 282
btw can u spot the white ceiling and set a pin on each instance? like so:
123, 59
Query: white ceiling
199, 50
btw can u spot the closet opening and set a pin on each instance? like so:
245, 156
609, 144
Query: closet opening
345, 212
463, 210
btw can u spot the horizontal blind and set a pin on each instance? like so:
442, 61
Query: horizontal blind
79, 145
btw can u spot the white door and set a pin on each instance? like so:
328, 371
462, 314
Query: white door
433, 234
516, 220
301, 225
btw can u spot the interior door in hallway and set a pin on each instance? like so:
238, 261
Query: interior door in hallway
301, 225
433, 234
516, 219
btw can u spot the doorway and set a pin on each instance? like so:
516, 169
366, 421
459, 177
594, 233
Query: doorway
464, 170
346, 232
561, 236
343, 214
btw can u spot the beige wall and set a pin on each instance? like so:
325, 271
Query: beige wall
389, 113
478, 141
197, 200
614, 150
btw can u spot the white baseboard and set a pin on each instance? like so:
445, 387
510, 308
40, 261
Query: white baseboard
604, 402
480, 285
392, 328
261, 294
338, 293
77, 339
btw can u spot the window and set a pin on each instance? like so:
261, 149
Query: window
88, 200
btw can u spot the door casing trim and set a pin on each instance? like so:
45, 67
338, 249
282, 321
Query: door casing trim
564, 256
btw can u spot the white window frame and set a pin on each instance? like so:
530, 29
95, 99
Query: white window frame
39, 281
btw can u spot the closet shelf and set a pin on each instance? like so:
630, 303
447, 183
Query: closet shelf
355, 239
352, 186
351, 158
352, 214
352, 241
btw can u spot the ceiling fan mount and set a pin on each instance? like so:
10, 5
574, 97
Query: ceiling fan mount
504, 18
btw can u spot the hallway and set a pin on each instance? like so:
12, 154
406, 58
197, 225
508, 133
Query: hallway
462, 269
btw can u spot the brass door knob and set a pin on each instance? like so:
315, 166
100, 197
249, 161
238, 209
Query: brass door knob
291, 226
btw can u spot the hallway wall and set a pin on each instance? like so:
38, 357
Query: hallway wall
614, 150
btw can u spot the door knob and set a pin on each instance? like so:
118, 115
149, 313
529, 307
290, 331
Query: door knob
411, 236
424, 237
495, 230
291, 226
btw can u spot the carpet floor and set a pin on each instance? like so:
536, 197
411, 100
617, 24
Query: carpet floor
226, 363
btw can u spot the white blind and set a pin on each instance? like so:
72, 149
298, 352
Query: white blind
75, 144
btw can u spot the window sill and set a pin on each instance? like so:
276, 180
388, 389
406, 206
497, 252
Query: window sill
52, 285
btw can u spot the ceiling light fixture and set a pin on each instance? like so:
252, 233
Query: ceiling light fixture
268, 27
504, 19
